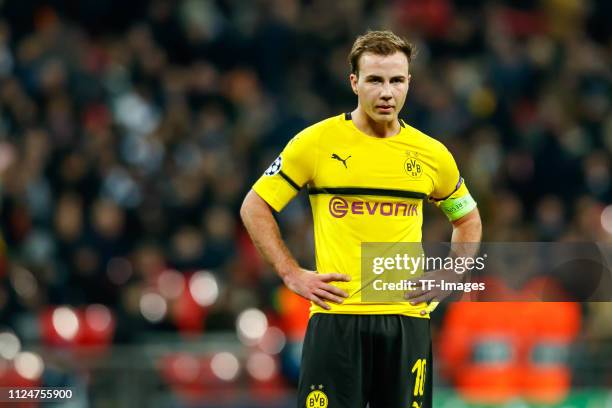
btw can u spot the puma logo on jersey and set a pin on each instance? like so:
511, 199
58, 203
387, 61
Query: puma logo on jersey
336, 157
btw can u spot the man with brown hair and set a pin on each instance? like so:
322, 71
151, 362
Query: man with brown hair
367, 174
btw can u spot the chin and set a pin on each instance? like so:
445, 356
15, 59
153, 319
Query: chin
381, 117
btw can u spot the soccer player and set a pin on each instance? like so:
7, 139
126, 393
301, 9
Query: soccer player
367, 174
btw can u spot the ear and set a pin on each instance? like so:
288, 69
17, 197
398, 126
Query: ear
408, 81
354, 78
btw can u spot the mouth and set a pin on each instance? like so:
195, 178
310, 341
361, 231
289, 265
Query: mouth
384, 108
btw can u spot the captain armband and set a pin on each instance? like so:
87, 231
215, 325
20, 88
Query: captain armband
455, 208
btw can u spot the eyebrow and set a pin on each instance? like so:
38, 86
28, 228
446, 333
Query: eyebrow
372, 76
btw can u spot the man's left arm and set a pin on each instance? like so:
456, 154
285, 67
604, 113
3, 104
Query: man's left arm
451, 196
465, 242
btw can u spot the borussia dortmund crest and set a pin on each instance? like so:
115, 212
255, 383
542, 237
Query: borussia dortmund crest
317, 398
412, 166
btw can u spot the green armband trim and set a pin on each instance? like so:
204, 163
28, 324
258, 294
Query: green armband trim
455, 208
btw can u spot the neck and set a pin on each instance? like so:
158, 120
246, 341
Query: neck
370, 127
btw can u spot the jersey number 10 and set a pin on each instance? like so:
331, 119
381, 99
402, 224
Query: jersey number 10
419, 381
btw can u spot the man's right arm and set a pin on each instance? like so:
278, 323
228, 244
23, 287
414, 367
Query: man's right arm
259, 221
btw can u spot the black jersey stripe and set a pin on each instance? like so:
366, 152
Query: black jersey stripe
453, 192
293, 183
367, 191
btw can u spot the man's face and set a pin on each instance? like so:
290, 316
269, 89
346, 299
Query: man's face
382, 85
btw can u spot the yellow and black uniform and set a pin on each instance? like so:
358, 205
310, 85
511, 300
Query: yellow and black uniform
363, 189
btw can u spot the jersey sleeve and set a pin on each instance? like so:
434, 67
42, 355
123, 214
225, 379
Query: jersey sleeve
450, 193
447, 179
294, 168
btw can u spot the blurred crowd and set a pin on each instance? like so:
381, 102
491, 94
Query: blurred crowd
130, 132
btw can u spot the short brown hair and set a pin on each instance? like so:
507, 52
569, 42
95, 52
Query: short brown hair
379, 43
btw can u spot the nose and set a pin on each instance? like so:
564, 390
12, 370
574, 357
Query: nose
386, 92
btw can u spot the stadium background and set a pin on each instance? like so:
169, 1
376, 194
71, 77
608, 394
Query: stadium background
130, 131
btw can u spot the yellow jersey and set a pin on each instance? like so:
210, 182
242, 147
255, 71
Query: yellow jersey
361, 189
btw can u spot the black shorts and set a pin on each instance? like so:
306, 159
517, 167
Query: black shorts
349, 361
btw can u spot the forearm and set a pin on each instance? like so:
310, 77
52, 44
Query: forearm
263, 230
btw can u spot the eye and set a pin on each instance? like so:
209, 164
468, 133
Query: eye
398, 80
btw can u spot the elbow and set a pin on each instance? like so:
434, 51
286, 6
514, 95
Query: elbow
245, 208
475, 225
478, 227
475, 222
253, 206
